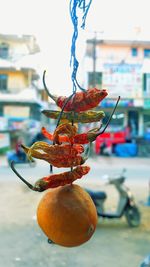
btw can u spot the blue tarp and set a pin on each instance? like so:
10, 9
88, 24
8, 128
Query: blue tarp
147, 136
126, 150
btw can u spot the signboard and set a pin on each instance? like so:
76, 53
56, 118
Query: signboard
110, 103
123, 79
4, 140
16, 112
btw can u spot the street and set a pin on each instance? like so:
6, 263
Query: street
113, 244
137, 169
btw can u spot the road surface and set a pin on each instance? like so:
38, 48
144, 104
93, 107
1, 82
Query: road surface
114, 244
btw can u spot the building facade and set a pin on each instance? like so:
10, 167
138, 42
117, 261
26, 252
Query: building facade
123, 68
19, 97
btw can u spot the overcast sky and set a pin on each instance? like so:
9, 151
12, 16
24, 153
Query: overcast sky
49, 21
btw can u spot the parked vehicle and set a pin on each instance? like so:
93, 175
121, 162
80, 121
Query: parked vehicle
18, 155
18, 158
126, 203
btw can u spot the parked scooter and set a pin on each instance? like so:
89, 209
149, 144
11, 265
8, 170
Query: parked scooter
126, 204
18, 155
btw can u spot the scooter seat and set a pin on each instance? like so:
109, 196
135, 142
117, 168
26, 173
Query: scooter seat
97, 195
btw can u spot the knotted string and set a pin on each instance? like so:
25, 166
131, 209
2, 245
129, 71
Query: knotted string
74, 4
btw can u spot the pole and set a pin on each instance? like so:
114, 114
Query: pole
94, 60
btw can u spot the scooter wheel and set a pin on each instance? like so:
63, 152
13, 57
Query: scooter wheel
133, 216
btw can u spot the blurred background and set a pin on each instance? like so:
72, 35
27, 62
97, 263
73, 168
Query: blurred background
114, 54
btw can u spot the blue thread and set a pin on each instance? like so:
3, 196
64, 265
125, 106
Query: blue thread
73, 60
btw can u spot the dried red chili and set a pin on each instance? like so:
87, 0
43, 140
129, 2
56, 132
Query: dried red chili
50, 136
82, 101
55, 180
83, 138
63, 133
64, 155
56, 150
66, 129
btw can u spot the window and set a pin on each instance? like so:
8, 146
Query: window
134, 52
4, 50
94, 78
146, 84
3, 82
147, 53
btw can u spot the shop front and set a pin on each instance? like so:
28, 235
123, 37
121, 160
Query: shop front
125, 126
16, 116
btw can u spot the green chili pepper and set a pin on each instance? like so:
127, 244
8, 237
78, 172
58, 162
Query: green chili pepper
83, 117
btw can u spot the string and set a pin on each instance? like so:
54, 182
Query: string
74, 5
73, 13
73, 60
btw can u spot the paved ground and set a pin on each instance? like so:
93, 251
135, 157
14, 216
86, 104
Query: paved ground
114, 244
138, 169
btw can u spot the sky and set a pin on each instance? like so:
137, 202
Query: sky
50, 22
